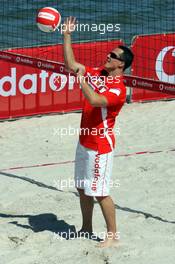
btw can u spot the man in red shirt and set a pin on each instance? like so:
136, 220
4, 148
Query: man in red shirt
105, 95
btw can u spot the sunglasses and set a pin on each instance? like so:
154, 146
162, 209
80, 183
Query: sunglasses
115, 56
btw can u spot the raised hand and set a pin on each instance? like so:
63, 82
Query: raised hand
69, 25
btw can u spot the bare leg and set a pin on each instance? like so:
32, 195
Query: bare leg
108, 210
87, 205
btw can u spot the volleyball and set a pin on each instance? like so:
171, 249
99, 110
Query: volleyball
48, 19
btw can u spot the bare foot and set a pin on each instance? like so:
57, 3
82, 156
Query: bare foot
108, 243
81, 233
87, 233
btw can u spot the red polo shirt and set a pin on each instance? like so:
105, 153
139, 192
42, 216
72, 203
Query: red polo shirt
97, 123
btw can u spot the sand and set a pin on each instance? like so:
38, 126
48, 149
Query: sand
35, 208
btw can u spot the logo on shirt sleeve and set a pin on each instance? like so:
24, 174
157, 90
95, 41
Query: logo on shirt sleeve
96, 83
115, 91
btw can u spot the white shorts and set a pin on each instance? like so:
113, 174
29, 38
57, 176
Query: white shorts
93, 171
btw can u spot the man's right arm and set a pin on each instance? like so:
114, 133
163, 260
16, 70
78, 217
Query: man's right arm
69, 58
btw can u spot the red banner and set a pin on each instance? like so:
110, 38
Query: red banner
154, 59
150, 85
29, 86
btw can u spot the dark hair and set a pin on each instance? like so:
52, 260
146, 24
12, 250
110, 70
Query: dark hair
127, 56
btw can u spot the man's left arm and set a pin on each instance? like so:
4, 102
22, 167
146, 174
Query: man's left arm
107, 98
95, 99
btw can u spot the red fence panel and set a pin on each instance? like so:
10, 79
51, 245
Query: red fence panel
154, 59
26, 90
